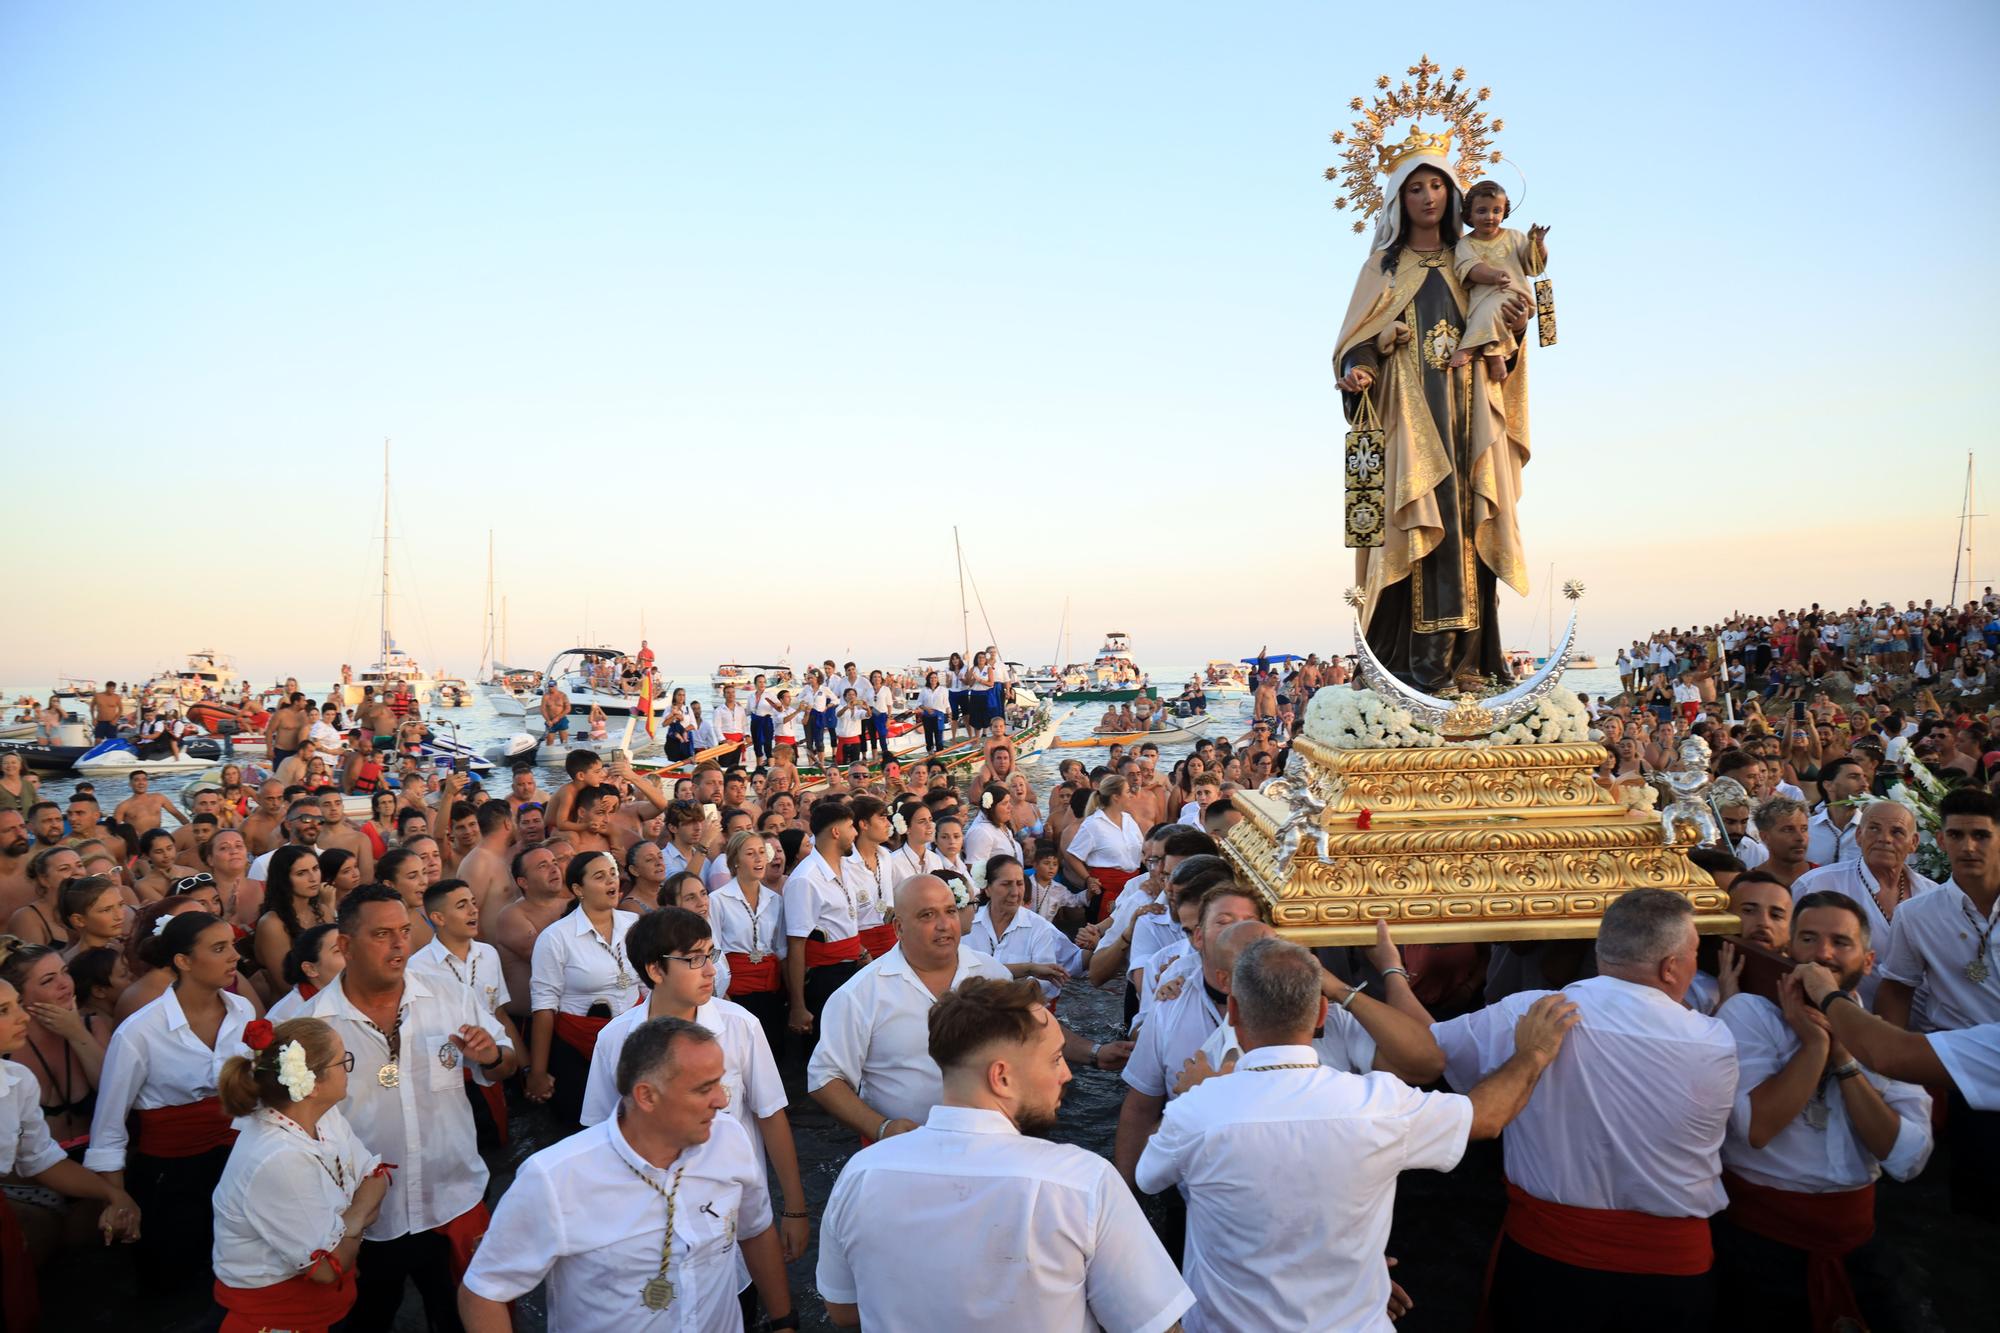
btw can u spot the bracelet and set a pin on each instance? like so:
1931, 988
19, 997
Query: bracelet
1095, 1047
1849, 1070
1833, 995
882, 1130
1347, 1000
797, 1215
1402, 972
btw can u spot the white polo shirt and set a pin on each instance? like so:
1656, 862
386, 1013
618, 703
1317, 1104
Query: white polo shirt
573, 967
1631, 1113
281, 1197
1856, 881
1029, 939
424, 1123
1290, 1177
478, 975
1972, 1057
1936, 939
580, 1215
821, 896
155, 1060
26, 1148
1041, 1235
1101, 843
1803, 1158
749, 1074
1171, 1036
875, 1034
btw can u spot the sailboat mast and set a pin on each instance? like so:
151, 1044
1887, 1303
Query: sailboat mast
383, 649
505, 656
1961, 557
964, 616
486, 648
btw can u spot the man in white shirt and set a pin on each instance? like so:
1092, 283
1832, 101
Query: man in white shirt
1879, 879
411, 1041
596, 1214
732, 720
1810, 1132
1944, 944
1290, 1167
1039, 1235
1781, 827
822, 917
455, 959
1614, 1167
1832, 834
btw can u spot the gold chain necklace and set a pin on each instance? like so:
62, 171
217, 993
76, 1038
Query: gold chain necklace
658, 1293
1265, 1069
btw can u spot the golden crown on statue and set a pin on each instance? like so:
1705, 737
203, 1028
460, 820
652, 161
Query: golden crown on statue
1365, 154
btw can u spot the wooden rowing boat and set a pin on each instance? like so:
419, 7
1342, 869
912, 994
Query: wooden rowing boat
1187, 730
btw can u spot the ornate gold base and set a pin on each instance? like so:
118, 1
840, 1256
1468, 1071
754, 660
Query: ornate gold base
1464, 843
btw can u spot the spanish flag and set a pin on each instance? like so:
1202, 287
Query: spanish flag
646, 701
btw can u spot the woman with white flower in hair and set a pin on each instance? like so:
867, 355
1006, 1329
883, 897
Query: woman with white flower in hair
991, 832
300, 1187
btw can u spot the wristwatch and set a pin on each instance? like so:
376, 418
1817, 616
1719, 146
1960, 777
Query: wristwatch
1847, 1071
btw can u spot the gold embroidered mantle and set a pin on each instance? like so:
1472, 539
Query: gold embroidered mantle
1465, 843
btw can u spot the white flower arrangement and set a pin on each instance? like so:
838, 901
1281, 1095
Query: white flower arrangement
295, 1073
898, 823
1344, 718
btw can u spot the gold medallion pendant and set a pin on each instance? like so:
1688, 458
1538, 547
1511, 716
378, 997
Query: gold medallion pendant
756, 957
388, 1076
658, 1294
1976, 972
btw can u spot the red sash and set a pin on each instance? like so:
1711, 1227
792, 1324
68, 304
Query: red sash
1610, 1240
464, 1232
820, 954
1825, 1226
495, 1098
298, 1305
748, 978
182, 1131
878, 940
580, 1031
20, 1294
733, 737
1110, 879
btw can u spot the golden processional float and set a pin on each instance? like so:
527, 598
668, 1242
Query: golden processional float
1471, 812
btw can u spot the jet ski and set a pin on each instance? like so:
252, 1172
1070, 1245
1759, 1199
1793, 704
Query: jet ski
121, 756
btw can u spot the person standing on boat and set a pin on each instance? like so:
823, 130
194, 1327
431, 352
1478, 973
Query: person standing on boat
954, 681
764, 709
732, 724
555, 715
935, 702
881, 698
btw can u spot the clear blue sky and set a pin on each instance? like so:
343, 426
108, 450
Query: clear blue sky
723, 315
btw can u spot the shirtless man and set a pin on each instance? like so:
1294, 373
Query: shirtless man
555, 720
585, 771
142, 808
16, 891
262, 827
286, 729
1149, 799
291, 771
107, 711
375, 715
485, 866
335, 831
530, 826
84, 816
542, 901
205, 801
524, 789
463, 832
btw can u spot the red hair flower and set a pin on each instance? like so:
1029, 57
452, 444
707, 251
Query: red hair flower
257, 1033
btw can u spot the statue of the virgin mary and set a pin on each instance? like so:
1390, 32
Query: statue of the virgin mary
1455, 443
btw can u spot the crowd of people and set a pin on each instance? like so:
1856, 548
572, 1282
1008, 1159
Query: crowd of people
276, 1046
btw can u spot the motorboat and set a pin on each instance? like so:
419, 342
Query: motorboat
395, 668
744, 677
208, 675
520, 748
592, 678
1110, 677
453, 693
512, 691
1222, 676
121, 756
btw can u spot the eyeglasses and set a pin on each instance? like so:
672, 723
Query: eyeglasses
699, 962
1153, 862
345, 1062
189, 883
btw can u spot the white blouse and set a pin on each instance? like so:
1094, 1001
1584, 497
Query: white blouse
737, 929
281, 1197
156, 1060
1099, 842
26, 1149
573, 968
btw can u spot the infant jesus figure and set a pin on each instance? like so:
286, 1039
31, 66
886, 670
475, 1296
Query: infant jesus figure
1494, 262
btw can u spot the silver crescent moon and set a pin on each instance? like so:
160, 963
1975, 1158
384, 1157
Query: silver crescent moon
1507, 708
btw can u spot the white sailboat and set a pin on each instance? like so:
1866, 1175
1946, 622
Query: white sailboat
392, 666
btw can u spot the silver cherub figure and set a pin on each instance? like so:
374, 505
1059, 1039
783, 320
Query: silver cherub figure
1304, 819
1689, 785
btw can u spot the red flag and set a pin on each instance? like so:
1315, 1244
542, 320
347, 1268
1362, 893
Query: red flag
646, 701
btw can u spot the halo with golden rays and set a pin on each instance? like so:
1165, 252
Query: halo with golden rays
1431, 96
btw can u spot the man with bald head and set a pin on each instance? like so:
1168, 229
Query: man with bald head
872, 1070
1879, 879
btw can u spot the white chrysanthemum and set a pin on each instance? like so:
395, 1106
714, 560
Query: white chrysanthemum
295, 1073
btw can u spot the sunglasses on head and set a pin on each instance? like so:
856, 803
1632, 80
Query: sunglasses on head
189, 883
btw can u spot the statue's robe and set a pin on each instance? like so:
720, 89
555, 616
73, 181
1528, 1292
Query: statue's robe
1455, 444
